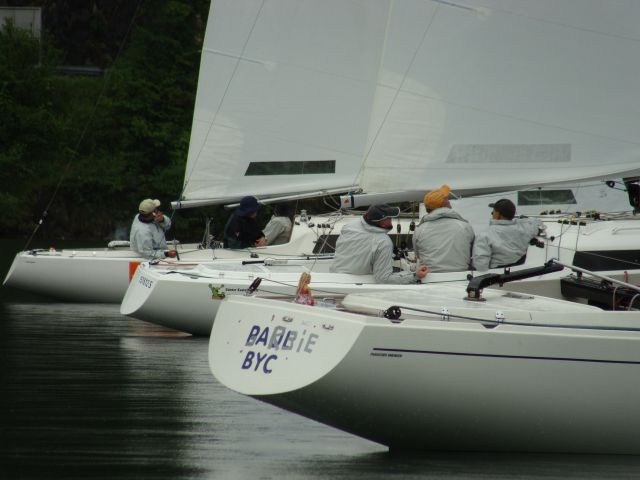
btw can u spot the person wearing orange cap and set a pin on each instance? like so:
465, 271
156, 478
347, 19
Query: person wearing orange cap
443, 239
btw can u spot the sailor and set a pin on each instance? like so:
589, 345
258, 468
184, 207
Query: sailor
443, 239
241, 230
506, 241
148, 229
364, 247
278, 230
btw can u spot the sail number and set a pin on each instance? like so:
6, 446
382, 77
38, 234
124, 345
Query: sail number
278, 338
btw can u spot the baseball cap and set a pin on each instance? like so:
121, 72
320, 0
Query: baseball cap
504, 207
376, 213
148, 205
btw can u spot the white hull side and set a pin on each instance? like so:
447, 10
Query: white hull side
98, 279
187, 303
101, 278
102, 275
434, 385
184, 301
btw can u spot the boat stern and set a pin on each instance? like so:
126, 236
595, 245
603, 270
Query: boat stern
264, 347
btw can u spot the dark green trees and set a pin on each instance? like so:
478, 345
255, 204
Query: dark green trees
93, 147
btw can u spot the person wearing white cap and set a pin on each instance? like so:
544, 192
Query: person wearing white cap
364, 247
147, 231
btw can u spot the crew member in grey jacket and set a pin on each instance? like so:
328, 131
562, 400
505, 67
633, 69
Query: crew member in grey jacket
364, 247
443, 239
278, 229
147, 231
506, 240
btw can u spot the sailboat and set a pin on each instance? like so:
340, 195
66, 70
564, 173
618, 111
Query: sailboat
497, 95
248, 138
385, 100
425, 126
159, 293
434, 370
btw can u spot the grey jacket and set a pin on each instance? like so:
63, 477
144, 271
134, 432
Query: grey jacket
443, 241
504, 242
148, 238
278, 230
363, 249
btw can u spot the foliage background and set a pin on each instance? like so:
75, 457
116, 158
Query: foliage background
87, 149
97, 145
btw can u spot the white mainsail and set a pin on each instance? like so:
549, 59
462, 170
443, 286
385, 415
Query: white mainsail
286, 88
500, 94
400, 96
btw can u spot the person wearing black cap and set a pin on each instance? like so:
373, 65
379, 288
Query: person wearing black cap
506, 240
241, 230
364, 247
278, 230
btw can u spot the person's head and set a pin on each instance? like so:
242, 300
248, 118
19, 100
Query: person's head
437, 198
503, 209
148, 207
380, 215
281, 210
248, 207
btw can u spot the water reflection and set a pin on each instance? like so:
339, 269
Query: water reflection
89, 393
86, 389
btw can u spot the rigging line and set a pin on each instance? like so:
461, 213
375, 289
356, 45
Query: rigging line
342, 293
495, 322
398, 90
271, 254
633, 300
293, 284
279, 294
224, 94
593, 254
65, 170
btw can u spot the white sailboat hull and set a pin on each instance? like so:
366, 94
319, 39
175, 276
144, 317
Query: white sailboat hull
430, 384
183, 299
99, 276
103, 275
66, 277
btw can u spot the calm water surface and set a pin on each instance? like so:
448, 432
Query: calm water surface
88, 393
